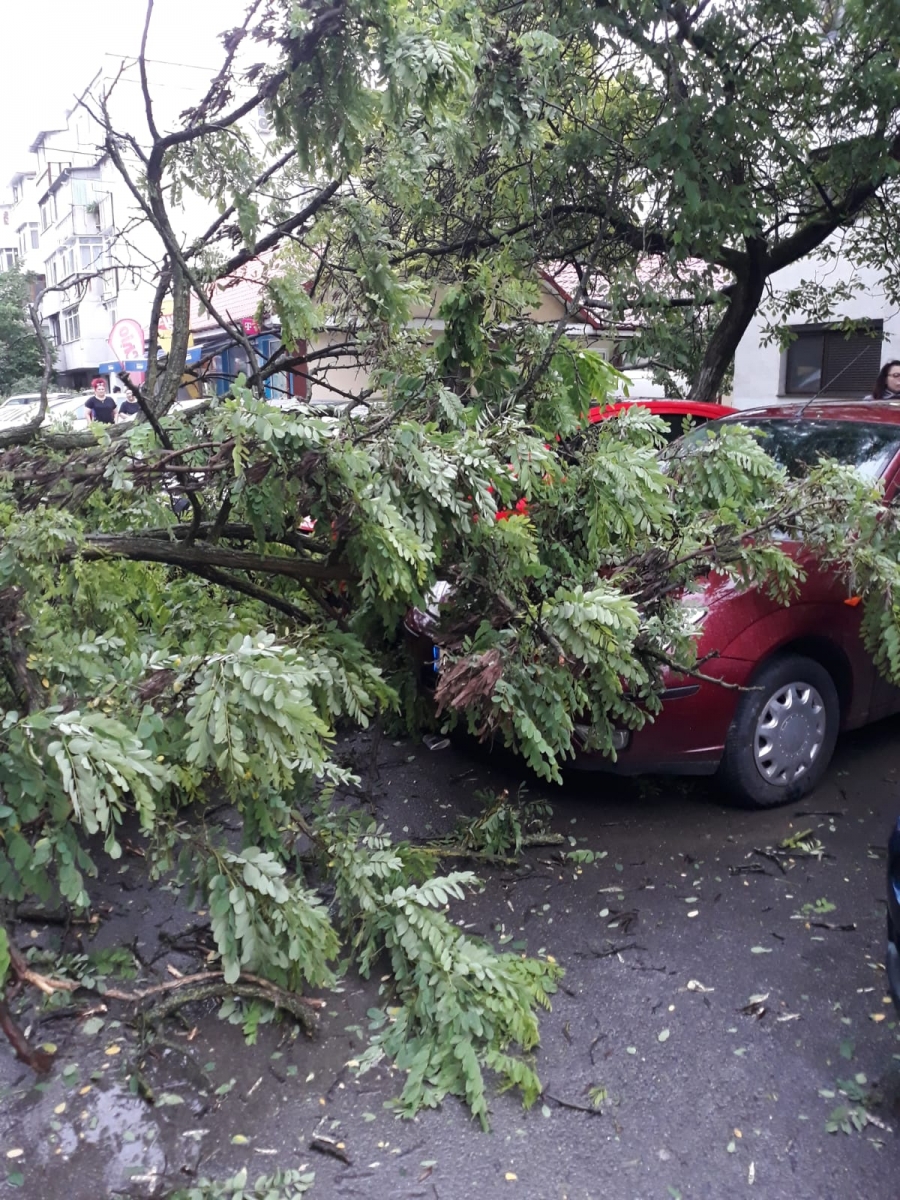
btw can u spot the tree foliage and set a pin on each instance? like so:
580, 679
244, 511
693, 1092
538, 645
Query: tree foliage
21, 360
152, 659
676, 156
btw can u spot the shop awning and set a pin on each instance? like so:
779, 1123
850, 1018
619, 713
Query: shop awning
140, 364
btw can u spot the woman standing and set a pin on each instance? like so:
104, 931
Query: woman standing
100, 407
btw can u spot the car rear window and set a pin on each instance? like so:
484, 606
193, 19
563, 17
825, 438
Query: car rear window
799, 444
680, 423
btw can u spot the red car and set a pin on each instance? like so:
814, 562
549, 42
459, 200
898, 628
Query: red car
677, 414
805, 664
673, 412
810, 673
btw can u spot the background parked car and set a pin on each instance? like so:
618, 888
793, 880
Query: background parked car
678, 414
62, 408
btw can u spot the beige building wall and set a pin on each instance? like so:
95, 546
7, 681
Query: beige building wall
344, 378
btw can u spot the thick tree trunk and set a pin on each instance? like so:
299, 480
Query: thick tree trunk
748, 291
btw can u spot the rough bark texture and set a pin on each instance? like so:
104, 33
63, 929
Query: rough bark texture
742, 306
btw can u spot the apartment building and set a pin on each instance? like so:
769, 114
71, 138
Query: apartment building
24, 223
19, 231
75, 225
8, 252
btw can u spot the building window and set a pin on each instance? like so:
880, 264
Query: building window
105, 217
48, 212
71, 325
54, 330
7, 260
83, 191
29, 239
68, 262
91, 250
824, 360
110, 276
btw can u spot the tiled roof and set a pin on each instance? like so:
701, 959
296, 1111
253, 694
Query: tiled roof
240, 296
654, 271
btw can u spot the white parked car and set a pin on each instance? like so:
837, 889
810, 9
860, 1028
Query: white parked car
63, 408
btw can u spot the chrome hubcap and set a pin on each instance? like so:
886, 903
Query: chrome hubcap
789, 733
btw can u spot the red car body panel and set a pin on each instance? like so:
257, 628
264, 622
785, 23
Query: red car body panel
701, 409
746, 628
674, 411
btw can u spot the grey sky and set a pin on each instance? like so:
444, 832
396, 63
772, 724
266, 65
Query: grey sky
53, 49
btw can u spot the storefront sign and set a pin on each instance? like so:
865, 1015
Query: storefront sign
166, 324
140, 364
127, 339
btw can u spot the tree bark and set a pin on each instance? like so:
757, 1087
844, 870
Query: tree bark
13, 656
743, 303
101, 546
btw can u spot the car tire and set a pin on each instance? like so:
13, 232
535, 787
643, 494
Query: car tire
783, 734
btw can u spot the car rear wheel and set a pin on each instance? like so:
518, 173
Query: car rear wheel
783, 734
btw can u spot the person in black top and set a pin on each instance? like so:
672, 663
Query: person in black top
127, 408
100, 407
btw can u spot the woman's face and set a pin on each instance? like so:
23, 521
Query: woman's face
892, 379
100, 389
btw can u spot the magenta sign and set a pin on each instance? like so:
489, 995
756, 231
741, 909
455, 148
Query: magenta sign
127, 339
127, 342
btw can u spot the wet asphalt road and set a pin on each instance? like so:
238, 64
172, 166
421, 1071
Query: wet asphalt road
665, 940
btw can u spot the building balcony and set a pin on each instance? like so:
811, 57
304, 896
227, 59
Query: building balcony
81, 220
49, 175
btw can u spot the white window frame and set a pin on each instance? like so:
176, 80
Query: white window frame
71, 324
48, 212
67, 262
90, 251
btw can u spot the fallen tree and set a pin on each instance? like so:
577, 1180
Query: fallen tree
154, 651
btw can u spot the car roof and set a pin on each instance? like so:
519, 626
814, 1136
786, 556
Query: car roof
33, 397
877, 411
660, 406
